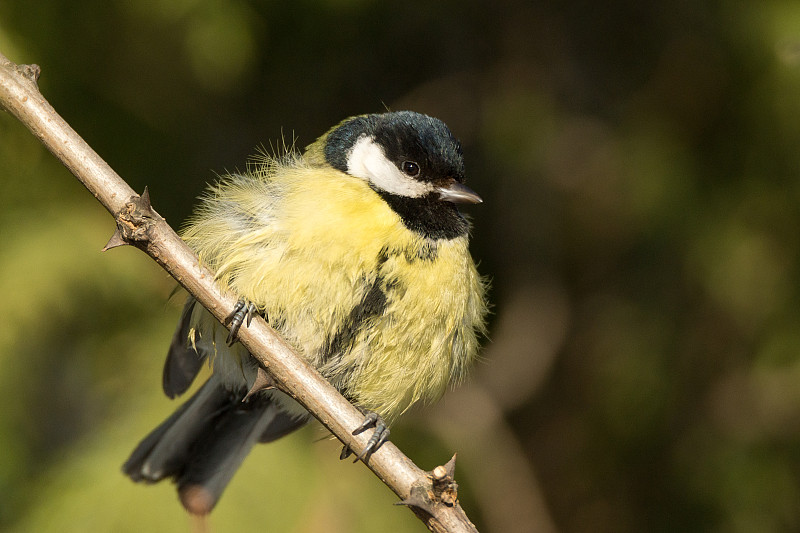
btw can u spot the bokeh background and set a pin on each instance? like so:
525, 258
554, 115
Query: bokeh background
640, 166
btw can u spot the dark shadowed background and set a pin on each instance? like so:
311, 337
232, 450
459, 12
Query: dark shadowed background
640, 166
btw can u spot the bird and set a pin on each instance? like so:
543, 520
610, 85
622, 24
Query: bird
356, 253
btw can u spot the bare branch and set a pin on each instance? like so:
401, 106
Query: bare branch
429, 495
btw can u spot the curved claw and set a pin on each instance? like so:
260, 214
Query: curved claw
379, 436
242, 314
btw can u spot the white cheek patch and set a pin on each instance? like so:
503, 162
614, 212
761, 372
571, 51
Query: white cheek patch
368, 162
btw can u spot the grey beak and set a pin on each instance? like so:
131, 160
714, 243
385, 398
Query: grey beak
458, 193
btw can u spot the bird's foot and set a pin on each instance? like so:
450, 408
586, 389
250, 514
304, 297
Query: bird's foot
379, 436
242, 314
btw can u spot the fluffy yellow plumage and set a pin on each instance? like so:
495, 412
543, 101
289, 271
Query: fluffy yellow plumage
306, 244
355, 252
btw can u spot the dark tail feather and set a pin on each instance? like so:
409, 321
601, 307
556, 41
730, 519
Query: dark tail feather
203, 443
183, 362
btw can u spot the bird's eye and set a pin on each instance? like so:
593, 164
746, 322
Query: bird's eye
410, 168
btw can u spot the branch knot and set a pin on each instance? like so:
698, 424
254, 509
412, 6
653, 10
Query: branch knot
440, 489
30, 72
134, 222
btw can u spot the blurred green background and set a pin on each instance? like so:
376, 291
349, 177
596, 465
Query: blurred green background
640, 166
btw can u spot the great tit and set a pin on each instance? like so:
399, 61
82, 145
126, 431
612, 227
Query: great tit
355, 252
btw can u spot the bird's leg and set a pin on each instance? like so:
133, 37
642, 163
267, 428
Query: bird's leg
242, 314
379, 436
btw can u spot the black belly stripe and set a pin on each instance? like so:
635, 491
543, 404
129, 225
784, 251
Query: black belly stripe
372, 304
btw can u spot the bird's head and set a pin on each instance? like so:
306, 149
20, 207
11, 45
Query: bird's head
403, 154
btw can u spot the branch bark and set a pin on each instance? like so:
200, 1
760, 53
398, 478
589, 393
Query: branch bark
430, 495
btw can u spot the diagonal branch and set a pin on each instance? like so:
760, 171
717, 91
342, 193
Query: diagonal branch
429, 494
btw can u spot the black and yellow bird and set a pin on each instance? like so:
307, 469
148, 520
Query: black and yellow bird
355, 252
